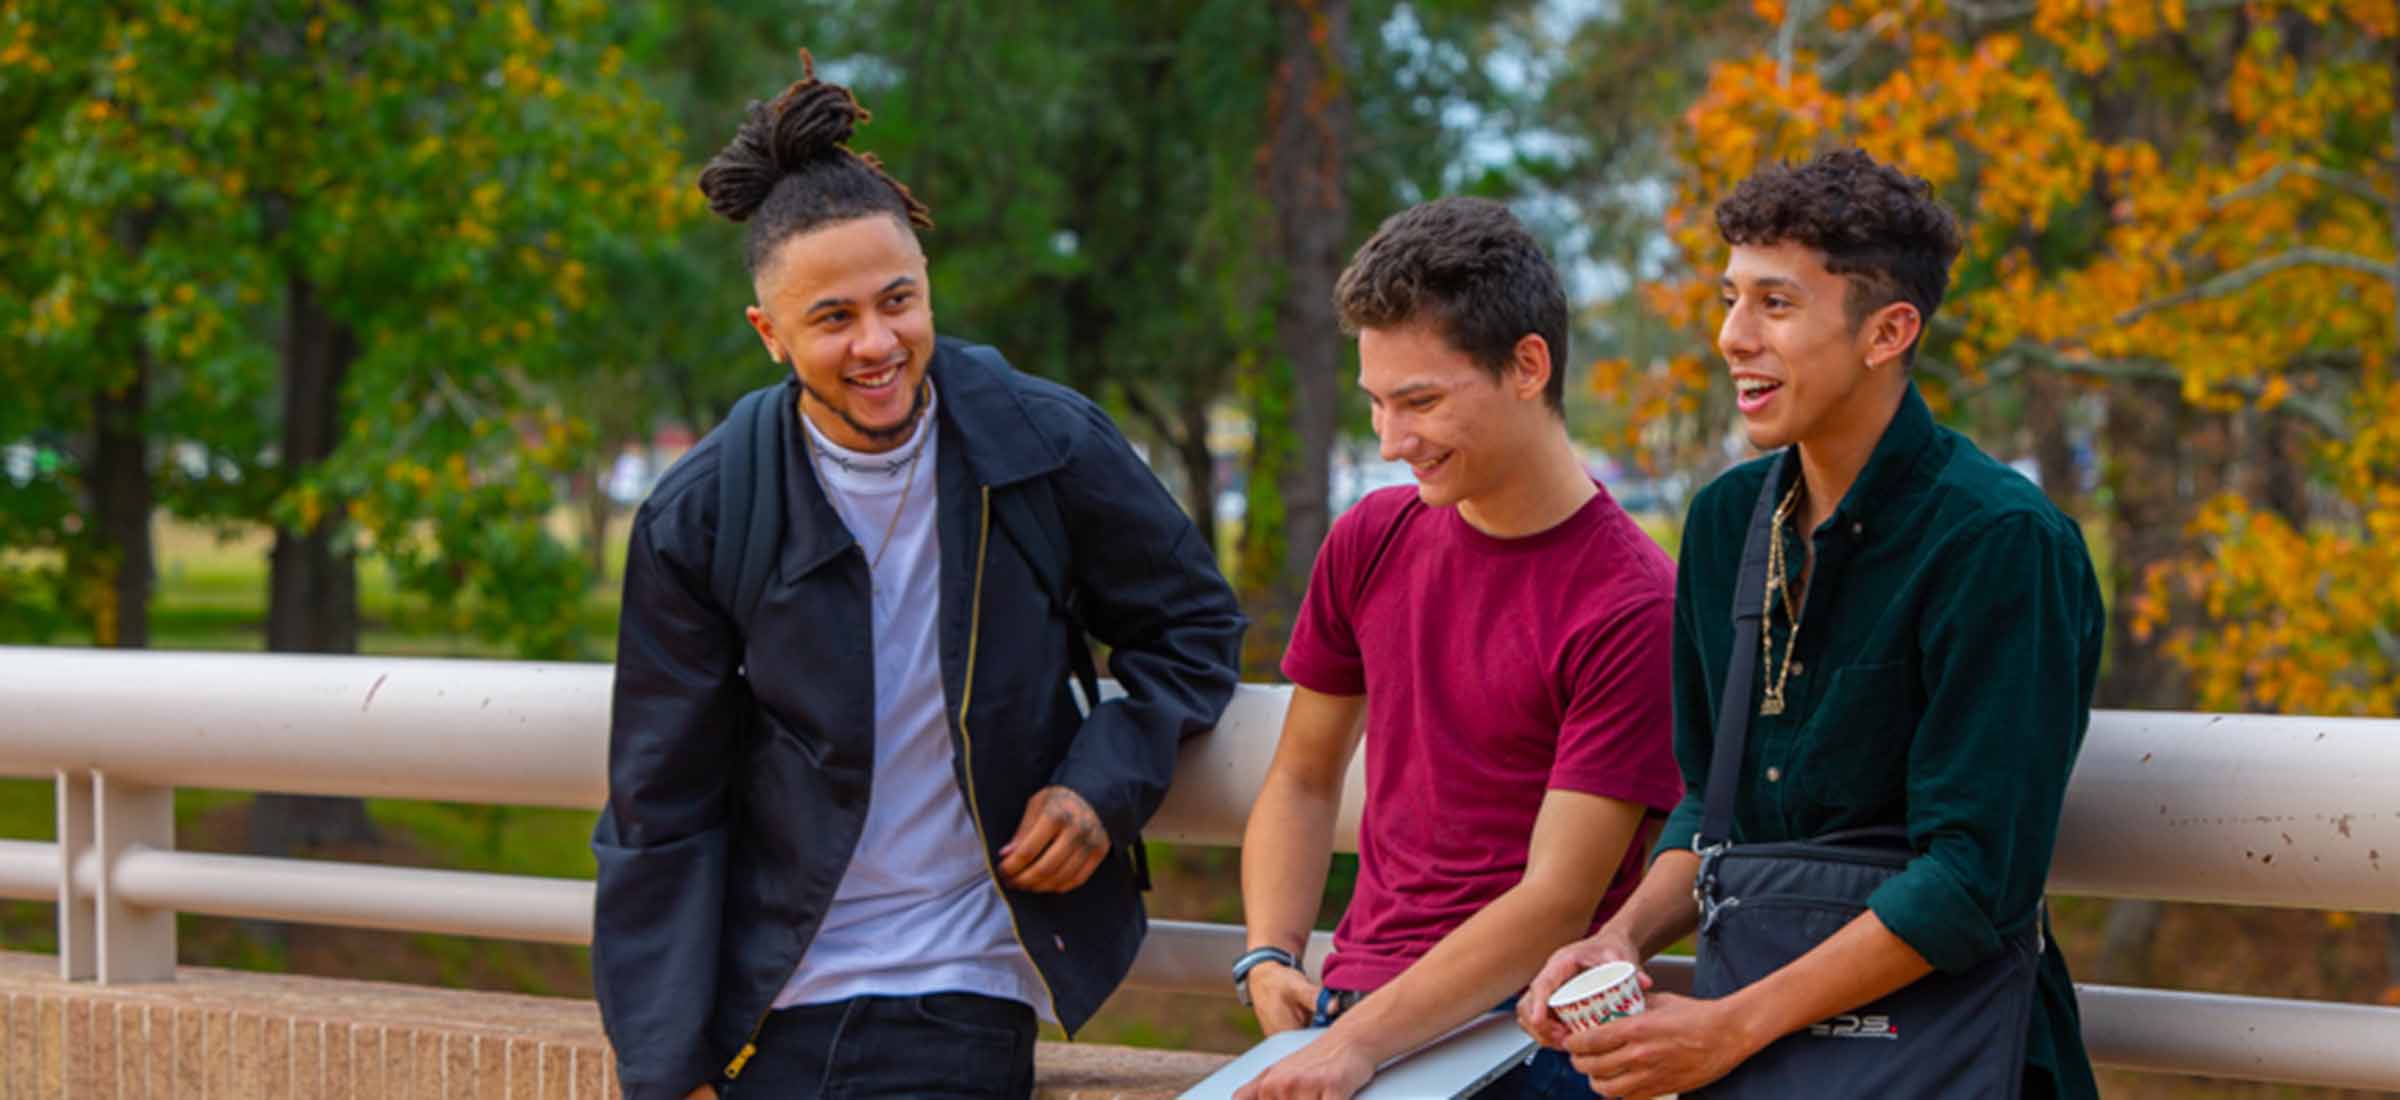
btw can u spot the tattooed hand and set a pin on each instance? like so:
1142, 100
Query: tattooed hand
1058, 846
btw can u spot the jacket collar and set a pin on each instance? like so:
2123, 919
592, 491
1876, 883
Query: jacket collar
1001, 442
984, 424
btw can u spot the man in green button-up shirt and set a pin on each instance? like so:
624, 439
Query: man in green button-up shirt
1948, 631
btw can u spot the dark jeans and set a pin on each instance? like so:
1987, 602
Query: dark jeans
1550, 1076
947, 1045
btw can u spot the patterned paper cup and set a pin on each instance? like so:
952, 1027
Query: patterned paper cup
1609, 991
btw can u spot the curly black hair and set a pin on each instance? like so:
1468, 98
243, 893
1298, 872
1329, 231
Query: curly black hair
1880, 228
1472, 269
789, 168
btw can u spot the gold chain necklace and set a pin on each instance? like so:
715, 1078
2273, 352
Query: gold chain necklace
1771, 699
924, 431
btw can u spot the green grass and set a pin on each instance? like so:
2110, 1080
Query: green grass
212, 595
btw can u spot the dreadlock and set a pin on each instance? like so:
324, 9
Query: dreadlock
790, 169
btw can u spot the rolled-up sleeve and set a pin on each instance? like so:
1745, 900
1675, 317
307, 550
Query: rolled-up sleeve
2007, 644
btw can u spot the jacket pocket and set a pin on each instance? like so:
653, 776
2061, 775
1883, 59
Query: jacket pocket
657, 911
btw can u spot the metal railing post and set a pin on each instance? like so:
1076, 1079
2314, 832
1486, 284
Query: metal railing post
78, 919
137, 943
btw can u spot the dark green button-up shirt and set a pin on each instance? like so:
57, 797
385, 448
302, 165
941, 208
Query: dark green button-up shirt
1942, 681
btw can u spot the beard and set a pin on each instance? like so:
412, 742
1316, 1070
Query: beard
890, 434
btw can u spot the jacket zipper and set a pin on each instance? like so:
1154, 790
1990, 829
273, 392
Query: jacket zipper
966, 696
733, 1068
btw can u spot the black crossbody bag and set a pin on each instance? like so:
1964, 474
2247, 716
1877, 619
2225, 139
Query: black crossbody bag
1764, 905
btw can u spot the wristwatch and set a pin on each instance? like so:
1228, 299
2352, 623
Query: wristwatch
1250, 960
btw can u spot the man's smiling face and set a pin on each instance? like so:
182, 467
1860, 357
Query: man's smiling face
1456, 425
848, 306
1795, 356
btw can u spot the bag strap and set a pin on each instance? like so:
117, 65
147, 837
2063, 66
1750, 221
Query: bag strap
750, 517
1741, 673
1030, 518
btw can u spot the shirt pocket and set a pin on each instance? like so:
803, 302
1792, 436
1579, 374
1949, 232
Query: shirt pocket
1855, 761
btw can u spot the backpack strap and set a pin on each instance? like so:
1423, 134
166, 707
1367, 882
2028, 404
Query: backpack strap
1030, 518
750, 517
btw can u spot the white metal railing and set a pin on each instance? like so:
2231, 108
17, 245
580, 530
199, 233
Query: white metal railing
2229, 809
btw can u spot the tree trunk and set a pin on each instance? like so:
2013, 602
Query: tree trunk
1308, 130
2163, 459
598, 507
2273, 473
312, 587
2125, 941
1184, 431
2391, 960
121, 503
2047, 398
1199, 471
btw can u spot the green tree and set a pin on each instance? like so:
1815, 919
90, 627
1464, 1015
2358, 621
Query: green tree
355, 244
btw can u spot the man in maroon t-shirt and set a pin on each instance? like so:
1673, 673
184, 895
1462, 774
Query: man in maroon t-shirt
1499, 636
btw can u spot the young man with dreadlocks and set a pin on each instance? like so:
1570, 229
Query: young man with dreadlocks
859, 834
1931, 635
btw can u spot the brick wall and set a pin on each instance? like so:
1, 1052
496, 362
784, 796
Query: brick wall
215, 1034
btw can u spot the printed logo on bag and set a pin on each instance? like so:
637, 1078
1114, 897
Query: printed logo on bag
1856, 1027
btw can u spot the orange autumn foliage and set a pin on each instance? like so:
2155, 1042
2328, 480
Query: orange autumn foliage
2231, 230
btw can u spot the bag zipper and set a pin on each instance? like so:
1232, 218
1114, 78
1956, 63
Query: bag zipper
966, 697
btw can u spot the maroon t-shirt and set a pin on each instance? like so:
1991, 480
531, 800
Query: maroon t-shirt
1494, 670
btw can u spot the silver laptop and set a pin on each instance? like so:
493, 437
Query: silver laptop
1453, 1067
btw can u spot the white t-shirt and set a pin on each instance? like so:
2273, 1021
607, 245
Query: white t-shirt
917, 910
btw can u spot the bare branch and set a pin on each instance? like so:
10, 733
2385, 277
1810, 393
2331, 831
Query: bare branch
1980, 13
2248, 274
2386, 642
1787, 38
1991, 13
1152, 412
1858, 45
2392, 204
466, 408
2017, 358
2357, 186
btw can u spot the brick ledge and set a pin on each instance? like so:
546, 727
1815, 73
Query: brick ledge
224, 1033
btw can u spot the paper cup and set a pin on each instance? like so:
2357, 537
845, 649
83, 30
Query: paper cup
1609, 991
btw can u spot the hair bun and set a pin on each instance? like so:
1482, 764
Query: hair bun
812, 119
809, 121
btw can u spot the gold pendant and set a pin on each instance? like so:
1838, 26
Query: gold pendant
1770, 706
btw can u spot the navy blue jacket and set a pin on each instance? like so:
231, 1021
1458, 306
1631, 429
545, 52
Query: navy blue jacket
735, 801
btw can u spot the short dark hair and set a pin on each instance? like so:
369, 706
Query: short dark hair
1880, 228
1471, 269
789, 168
